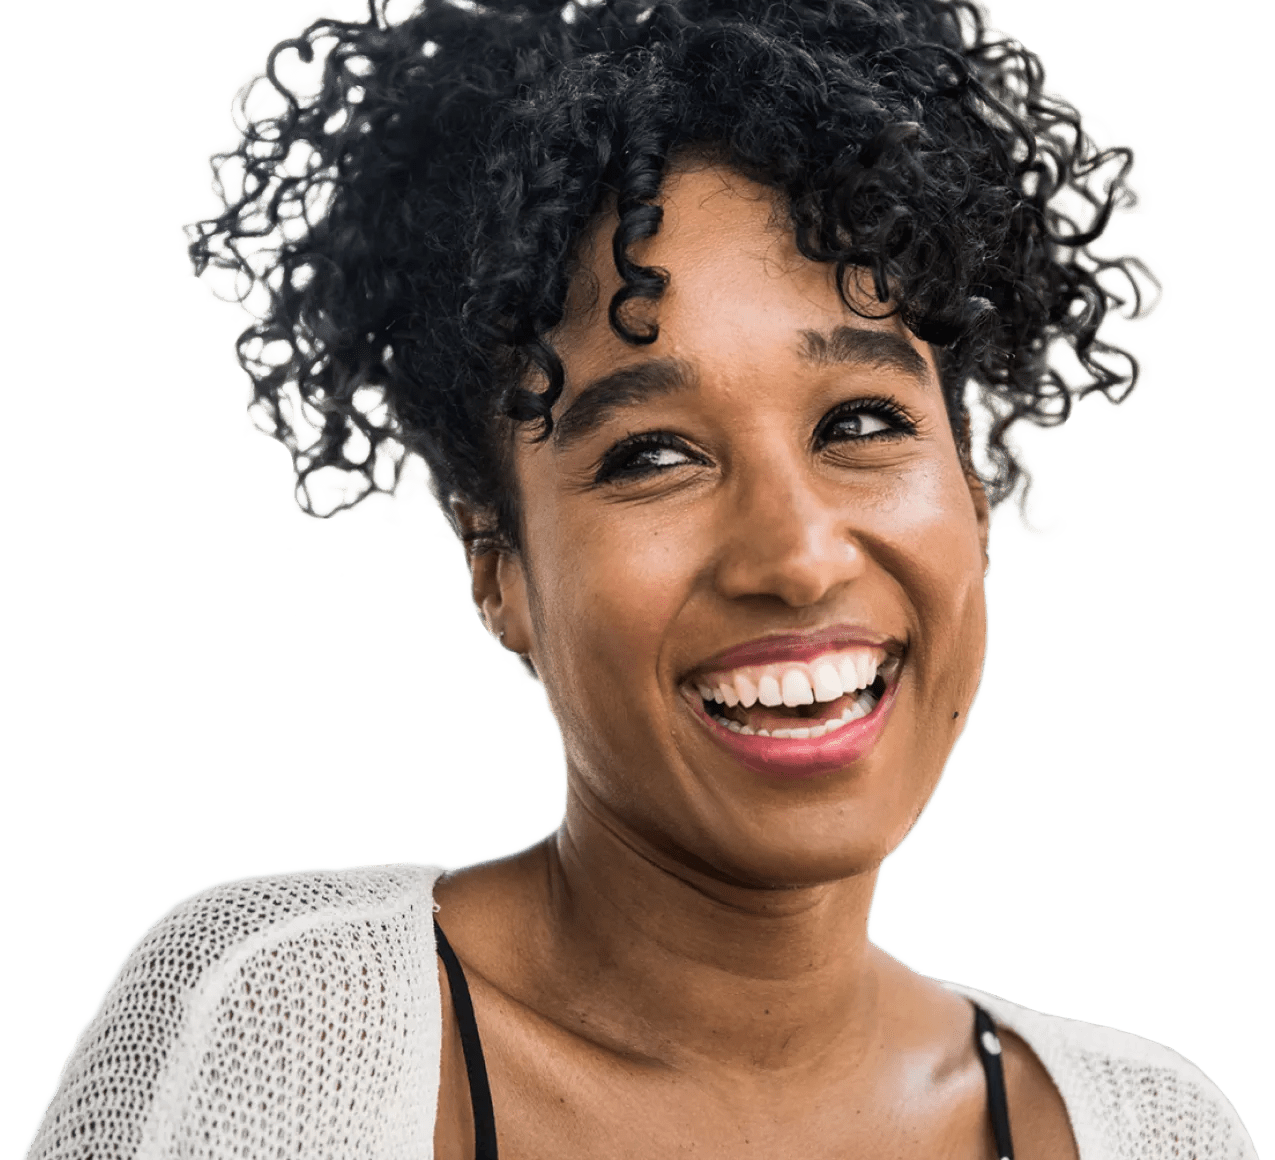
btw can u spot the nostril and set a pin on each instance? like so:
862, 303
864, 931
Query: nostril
799, 557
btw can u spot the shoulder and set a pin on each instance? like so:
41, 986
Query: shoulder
1125, 1095
221, 936
236, 918
244, 1010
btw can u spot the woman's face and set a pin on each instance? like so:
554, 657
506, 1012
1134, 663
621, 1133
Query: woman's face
766, 504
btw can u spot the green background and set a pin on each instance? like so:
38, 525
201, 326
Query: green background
185, 699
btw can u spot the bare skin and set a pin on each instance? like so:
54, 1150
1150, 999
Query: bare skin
684, 968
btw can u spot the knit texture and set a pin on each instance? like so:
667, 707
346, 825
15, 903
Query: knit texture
1127, 1097
300, 1016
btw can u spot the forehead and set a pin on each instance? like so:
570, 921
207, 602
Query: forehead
738, 288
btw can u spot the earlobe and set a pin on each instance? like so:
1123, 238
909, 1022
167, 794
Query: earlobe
484, 588
497, 584
499, 591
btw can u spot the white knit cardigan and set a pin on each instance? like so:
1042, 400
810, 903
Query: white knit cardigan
299, 1016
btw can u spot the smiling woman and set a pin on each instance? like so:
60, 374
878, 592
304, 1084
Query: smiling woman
709, 321
785, 475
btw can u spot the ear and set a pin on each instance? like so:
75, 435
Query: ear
499, 589
498, 584
982, 511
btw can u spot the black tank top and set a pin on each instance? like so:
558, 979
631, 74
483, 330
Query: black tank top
985, 1040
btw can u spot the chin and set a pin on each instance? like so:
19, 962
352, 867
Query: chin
802, 846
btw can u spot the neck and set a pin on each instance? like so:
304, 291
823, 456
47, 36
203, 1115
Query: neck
680, 963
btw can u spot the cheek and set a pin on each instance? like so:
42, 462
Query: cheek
607, 586
617, 585
940, 562
928, 544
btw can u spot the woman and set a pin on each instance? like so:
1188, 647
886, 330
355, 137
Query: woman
681, 304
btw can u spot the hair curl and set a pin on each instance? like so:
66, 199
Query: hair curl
406, 230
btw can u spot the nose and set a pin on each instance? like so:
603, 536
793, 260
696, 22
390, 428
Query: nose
786, 536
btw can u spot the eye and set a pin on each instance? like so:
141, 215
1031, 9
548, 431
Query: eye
645, 454
858, 425
864, 420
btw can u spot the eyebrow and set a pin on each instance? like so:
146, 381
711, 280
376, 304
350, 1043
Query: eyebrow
855, 346
633, 385
626, 387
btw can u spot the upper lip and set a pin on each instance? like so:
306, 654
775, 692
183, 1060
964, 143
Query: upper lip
795, 646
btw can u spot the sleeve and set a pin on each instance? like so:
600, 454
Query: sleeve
1146, 1100
301, 1008
1126, 1096
106, 1096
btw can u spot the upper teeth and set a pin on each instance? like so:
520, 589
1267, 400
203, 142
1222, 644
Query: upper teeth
826, 678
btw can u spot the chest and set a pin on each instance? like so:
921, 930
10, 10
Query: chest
572, 1105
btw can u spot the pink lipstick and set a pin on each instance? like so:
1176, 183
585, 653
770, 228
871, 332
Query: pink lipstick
799, 757
797, 705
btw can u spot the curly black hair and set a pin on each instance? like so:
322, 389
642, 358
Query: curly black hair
406, 230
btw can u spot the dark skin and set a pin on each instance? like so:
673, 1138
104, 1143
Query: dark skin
684, 966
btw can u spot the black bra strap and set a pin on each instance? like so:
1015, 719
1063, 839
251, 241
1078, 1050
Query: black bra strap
985, 1040
475, 1066
989, 1052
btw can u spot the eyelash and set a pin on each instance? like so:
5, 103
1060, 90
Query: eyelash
876, 406
620, 461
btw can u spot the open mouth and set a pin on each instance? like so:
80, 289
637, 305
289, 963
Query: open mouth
815, 719
800, 718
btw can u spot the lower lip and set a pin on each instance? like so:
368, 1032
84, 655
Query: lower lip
799, 757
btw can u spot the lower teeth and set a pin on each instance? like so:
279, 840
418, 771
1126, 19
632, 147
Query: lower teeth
860, 707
